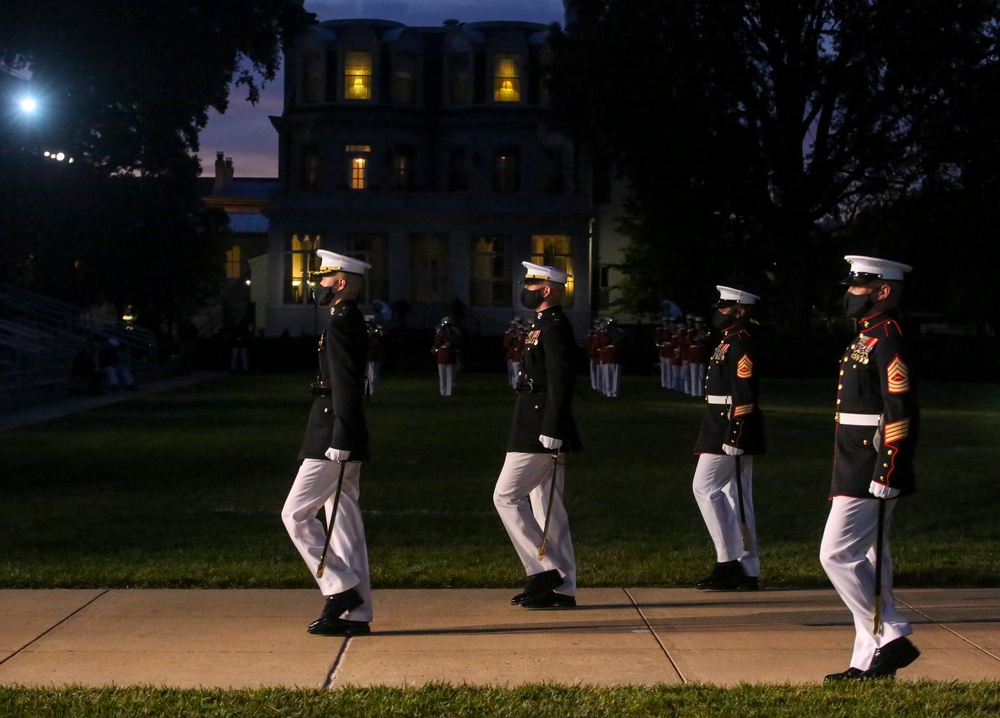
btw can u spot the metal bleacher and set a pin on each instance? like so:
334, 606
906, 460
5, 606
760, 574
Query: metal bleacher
41, 337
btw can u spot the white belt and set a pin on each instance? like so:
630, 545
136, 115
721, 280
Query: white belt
719, 399
858, 419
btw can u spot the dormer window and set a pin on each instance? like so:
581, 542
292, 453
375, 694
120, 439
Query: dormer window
460, 79
404, 78
312, 76
507, 79
357, 75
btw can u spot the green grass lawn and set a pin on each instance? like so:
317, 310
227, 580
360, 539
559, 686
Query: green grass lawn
904, 700
184, 489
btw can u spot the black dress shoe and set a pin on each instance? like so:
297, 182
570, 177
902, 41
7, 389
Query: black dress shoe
851, 674
340, 603
549, 599
538, 584
894, 655
338, 627
727, 576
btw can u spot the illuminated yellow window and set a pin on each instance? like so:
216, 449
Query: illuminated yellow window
507, 79
234, 267
301, 260
357, 156
358, 75
358, 172
554, 250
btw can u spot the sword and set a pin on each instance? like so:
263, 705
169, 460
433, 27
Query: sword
743, 514
333, 518
877, 628
548, 511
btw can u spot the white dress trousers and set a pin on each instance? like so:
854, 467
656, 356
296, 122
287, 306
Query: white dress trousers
848, 557
347, 557
714, 487
521, 498
446, 378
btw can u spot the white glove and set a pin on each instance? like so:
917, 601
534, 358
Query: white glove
337, 454
732, 450
881, 491
548, 442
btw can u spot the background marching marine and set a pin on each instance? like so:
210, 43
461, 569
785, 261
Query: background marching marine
528, 495
732, 432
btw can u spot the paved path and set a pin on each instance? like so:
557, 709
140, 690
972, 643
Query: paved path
66, 405
253, 638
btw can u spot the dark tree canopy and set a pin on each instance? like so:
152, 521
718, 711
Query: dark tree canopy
747, 129
127, 85
124, 88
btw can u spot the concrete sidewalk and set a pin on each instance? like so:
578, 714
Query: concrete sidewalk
253, 638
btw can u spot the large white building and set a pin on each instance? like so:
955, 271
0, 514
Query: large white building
433, 154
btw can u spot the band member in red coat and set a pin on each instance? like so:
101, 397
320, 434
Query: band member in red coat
877, 422
445, 350
513, 347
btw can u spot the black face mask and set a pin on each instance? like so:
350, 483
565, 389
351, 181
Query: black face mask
721, 321
324, 295
857, 305
531, 298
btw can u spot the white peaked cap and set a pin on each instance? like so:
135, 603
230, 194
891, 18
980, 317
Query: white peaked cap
868, 269
735, 296
545, 272
331, 263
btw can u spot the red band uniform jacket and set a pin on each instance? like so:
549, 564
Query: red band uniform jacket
875, 379
546, 381
337, 417
732, 371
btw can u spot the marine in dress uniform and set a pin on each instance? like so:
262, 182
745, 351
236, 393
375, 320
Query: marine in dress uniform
698, 357
600, 341
876, 435
686, 355
610, 356
529, 491
445, 351
732, 433
676, 361
662, 341
335, 444
513, 342
374, 366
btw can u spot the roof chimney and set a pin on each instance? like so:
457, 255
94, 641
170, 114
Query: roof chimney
220, 173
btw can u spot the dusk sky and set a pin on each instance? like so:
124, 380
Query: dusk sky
245, 133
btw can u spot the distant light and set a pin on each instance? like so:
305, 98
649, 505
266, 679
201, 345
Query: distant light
28, 104
60, 156
248, 282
